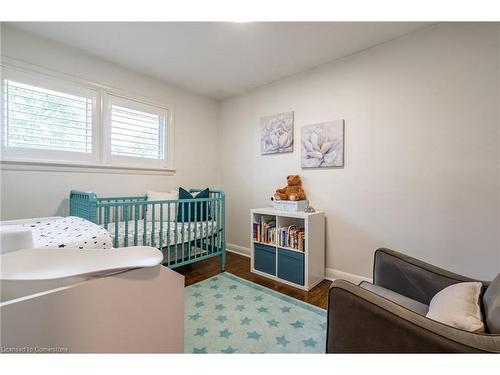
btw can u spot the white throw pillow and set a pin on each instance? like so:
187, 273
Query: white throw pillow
458, 306
162, 196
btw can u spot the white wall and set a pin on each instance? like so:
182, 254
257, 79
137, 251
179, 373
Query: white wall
195, 119
421, 151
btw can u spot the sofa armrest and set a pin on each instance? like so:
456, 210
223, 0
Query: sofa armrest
360, 321
411, 277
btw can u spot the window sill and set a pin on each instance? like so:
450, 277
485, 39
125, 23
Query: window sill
51, 166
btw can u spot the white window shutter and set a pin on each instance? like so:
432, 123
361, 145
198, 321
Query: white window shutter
38, 118
137, 133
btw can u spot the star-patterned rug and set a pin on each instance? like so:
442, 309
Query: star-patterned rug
227, 314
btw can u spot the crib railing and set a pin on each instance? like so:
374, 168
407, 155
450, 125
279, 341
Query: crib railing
152, 224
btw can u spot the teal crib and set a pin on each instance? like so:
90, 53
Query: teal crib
197, 234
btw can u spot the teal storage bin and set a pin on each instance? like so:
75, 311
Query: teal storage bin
265, 258
291, 266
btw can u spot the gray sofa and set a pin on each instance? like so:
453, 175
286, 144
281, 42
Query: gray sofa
388, 316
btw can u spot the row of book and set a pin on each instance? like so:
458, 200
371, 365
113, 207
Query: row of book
265, 231
292, 237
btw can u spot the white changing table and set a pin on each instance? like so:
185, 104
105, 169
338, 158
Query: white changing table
78, 310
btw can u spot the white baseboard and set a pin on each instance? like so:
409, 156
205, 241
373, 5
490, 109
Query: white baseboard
330, 273
240, 250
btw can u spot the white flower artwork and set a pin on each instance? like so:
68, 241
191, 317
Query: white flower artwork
276, 133
322, 145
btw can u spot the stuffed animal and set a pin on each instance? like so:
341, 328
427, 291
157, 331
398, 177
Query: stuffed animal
292, 192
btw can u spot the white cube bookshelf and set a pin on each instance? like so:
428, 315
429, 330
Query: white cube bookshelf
301, 269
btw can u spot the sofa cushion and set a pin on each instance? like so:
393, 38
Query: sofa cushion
491, 302
401, 300
458, 305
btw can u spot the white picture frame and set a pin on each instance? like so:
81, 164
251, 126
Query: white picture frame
322, 145
276, 133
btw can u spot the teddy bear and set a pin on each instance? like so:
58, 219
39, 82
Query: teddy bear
292, 192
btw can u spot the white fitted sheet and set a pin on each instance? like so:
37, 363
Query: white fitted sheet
193, 230
63, 232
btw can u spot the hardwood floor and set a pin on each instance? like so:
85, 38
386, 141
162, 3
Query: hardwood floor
240, 266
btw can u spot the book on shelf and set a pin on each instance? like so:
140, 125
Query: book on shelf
265, 230
291, 237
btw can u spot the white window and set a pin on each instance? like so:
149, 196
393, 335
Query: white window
137, 132
47, 119
54, 121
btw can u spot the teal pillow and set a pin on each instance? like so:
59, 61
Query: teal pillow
200, 208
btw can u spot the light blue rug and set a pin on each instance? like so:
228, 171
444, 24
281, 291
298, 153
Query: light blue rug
227, 314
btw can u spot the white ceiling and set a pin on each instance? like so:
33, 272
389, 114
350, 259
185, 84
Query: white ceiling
219, 59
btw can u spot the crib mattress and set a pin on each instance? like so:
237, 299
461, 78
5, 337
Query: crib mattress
70, 232
192, 231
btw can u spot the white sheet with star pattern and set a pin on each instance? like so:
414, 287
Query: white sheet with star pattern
65, 232
72, 231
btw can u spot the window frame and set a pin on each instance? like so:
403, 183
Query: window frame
35, 154
100, 160
110, 98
